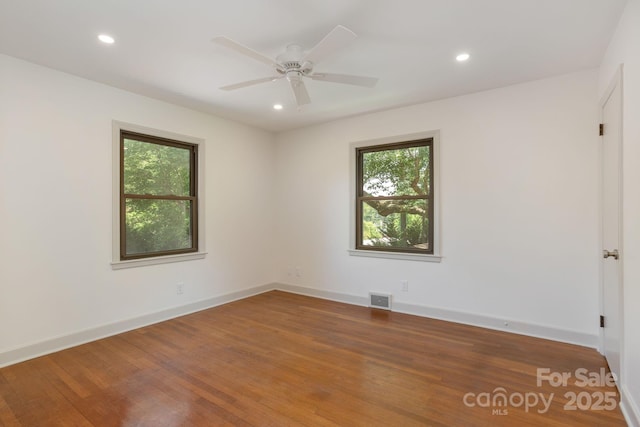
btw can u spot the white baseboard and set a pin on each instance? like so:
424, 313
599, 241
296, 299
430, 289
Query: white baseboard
318, 293
500, 324
51, 345
17, 355
629, 408
517, 327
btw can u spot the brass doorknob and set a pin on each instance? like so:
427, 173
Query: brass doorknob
614, 253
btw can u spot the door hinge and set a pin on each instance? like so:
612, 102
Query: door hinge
601, 321
601, 129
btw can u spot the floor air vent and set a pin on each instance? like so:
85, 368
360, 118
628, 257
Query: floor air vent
382, 301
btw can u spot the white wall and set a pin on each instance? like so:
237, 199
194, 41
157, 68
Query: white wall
55, 188
625, 49
519, 209
519, 206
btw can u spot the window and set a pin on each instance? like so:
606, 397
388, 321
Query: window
395, 197
158, 196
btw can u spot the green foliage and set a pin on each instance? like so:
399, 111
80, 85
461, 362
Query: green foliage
397, 172
389, 222
154, 225
156, 169
400, 229
157, 225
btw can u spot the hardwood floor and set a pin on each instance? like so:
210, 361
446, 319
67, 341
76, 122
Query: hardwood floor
280, 359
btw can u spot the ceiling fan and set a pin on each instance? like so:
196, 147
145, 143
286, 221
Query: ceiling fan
294, 64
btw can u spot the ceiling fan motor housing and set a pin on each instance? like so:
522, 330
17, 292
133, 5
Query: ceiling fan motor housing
292, 64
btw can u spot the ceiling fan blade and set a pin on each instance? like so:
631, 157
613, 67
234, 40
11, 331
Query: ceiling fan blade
300, 92
338, 38
345, 79
223, 41
250, 83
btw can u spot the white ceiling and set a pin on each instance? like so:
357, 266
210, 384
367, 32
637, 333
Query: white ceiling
163, 48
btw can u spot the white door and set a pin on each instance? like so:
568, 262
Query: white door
612, 225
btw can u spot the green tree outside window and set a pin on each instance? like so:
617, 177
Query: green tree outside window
395, 197
158, 196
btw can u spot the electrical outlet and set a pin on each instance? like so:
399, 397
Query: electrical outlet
405, 286
180, 289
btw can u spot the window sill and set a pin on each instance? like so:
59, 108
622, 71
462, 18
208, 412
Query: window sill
143, 262
395, 255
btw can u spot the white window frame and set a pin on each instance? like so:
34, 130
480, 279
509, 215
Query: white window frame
437, 255
116, 262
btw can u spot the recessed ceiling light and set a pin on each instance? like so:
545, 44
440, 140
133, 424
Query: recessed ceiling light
104, 38
463, 57
277, 106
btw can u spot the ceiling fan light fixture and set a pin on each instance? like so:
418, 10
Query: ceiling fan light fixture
294, 76
463, 57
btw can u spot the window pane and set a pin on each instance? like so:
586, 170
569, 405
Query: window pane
396, 172
156, 169
395, 224
157, 225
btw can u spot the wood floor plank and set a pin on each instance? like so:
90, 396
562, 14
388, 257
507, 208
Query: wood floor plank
280, 359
